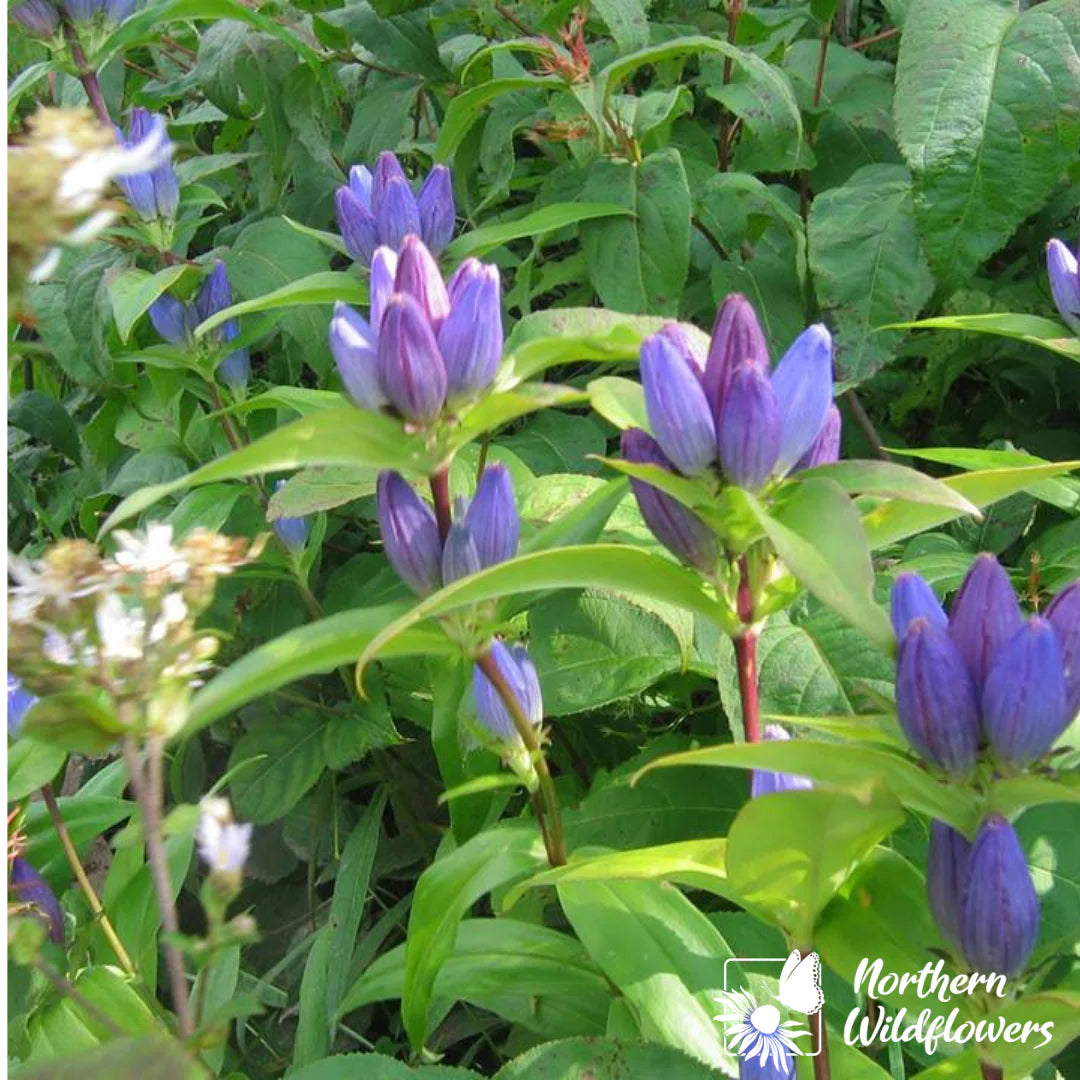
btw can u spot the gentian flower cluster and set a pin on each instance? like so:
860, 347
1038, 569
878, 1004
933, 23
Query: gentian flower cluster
175, 321
380, 209
1064, 273
982, 896
29, 893
41, 18
985, 674
426, 343
156, 193
729, 411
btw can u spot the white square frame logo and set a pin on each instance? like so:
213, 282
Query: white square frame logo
781, 960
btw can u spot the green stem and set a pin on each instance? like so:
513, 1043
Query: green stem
727, 130
60, 826
87, 75
554, 838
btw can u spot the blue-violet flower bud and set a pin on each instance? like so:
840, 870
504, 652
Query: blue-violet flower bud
156, 193
353, 346
19, 703
748, 436
418, 275
29, 887
356, 223
736, 336
1000, 921
946, 878
675, 403
935, 698
825, 449
766, 782
291, 531
517, 669
410, 366
410, 535
460, 557
435, 203
38, 18
492, 517
985, 615
1061, 265
471, 338
174, 320
803, 384
384, 264
911, 598
1063, 614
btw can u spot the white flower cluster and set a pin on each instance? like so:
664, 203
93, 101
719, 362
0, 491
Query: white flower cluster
224, 844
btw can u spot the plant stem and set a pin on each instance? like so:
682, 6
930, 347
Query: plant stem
735, 8
874, 38
863, 420
554, 840
746, 658
87, 75
440, 495
148, 796
991, 1072
76, 865
819, 1042
823, 53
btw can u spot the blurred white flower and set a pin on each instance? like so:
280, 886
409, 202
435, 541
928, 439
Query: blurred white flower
224, 845
152, 553
121, 630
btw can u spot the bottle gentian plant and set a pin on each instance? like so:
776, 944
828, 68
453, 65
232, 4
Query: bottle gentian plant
155, 195
1064, 273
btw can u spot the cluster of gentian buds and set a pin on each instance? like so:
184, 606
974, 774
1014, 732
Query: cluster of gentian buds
379, 209
122, 626
982, 896
984, 678
984, 675
483, 533
175, 321
1064, 273
41, 18
729, 411
154, 194
426, 344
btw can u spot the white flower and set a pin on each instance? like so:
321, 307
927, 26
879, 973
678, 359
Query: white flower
224, 845
121, 630
152, 553
38, 583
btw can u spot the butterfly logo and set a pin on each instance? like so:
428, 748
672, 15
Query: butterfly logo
800, 983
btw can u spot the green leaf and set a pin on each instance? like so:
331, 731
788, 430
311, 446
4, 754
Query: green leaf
612, 566
619, 401
312, 1042
286, 759
80, 723
343, 436
525, 973
31, 765
891, 480
312, 490
981, 123
640, 263
867, 265
479, 242
897, 519
673, 970
603, 1059
87, 816
849, 765
1031, 329
350, 899
45, 419
818, 534
627, 22
317, 647
133, 291
158, 1056
580, 525
377, 1067
324, 287
788, 853
444, 894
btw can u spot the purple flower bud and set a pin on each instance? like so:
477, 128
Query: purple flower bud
753, 1068
214, 296
360, 184
736, 336
1000, 920
1063, 615
353, 346
384, 264
410, 367
29, 887
1023, 698
471, 339
912, 598
235, 369
677, 527
116, 11
82, 10
946, 878
803, 384
749, 433
387, 168
435, 204
935, 698
38, 18
492, 518
518, 671
418, 275
1064, 273
985, 615
410, 535
173, 320
675, 403
291, 531
460, 557
155, 193
764, 782
356, 223
397, 216
19, 703
825, 449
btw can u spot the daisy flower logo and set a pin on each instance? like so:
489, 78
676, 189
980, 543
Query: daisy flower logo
756, 1032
